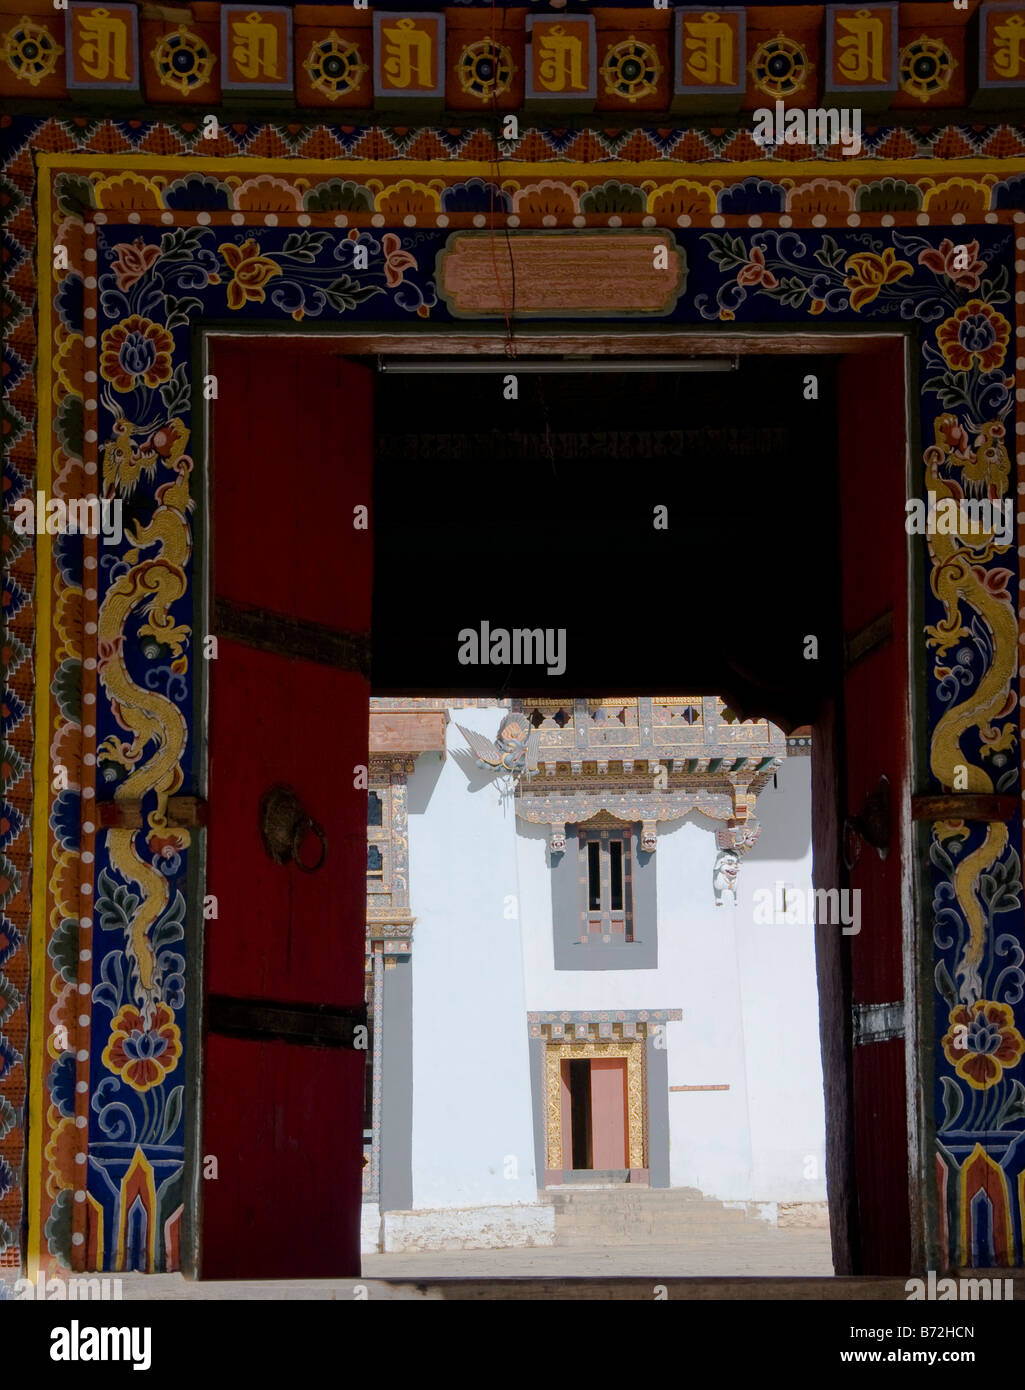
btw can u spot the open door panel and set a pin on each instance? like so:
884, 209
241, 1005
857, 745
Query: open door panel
282, 1095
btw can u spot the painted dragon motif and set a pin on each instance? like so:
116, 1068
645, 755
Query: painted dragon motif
148, 588
959, 577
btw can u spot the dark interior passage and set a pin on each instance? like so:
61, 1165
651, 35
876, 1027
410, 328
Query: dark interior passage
579, 1070
540, 512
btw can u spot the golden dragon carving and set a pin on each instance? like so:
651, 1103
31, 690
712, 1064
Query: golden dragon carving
149, 588
958, 577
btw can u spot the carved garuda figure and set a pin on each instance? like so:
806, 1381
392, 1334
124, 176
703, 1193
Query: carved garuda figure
513, 750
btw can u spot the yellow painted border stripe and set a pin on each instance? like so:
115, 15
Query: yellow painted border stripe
41, 760
97, 1212
613, 168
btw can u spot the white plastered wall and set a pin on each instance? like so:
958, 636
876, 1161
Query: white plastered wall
748, 995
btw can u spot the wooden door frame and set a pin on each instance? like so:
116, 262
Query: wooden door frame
601, 341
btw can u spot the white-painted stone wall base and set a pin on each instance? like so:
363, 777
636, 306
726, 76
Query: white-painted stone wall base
370, 1229
469, 1228
810, 1215
756, 1211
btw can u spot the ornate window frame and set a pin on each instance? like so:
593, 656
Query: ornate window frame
602, 832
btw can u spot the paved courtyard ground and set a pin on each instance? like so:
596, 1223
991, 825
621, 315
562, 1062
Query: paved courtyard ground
755, 1251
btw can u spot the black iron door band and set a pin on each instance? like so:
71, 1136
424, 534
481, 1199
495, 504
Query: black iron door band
874, 634
974, 806
263, 1020
292, 637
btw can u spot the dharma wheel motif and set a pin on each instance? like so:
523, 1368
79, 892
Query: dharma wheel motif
485, 69
631, 69
926, 67
183, 61
780, 67
31, 52
334, 66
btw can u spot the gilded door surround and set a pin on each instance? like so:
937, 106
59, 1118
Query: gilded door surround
559, 1051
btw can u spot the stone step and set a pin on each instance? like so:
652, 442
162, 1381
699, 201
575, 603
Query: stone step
643, 1234
626, 1192
614, 1220
662, 1241
597, 1177
632, 1201
602, 1203
589, 1218
660, 1211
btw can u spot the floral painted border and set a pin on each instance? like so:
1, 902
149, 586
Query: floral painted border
148, 251
580, 196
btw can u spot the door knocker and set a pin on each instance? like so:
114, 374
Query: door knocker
871, 825
284, 826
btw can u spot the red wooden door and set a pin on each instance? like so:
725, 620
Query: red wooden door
873, 491
282, 1086
608, 1113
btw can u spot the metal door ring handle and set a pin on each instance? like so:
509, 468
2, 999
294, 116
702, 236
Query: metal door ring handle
284, 826
872, 824
305, 827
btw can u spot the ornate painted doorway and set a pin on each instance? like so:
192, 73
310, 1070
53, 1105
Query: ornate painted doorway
126, 258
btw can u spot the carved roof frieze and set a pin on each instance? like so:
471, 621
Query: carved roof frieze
497, 56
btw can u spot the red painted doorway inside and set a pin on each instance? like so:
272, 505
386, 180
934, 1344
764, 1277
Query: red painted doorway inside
594, 1116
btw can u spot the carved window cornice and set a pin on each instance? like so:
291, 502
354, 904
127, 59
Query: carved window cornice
647, 759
